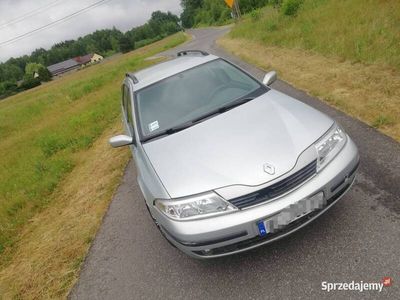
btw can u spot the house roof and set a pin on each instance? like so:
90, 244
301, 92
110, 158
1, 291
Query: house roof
84, 59
66, 64
70, 63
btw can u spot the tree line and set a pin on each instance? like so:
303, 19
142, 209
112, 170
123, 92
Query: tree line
16, 74
214, 12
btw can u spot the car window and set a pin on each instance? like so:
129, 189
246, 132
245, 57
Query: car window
127, 104
191, 94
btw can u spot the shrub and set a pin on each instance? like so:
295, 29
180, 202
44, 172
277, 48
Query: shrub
44, 74
276, 3
290, 7
255, 15
271, 25
29, 83
7, 88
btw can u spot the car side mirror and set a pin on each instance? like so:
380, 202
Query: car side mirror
121, 140
270, 77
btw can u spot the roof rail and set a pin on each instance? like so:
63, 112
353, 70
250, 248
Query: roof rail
133, 77
187, 52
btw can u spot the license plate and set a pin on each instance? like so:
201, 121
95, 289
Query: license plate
291, 214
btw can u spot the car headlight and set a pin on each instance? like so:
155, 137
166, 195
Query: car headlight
330, 145
194, 207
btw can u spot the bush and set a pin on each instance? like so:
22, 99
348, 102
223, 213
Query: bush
7, 88
276, 3
246, 6
290, 7
255, 15
29, 83
44, 74
271, 25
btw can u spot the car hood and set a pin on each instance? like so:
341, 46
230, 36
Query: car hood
232, 148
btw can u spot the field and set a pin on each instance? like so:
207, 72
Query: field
58, 172
344, 52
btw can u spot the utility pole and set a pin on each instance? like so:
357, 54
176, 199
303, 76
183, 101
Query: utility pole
237, 9
234, 5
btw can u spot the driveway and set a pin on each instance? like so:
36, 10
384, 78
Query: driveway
356, 240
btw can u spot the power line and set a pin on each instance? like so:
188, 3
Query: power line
29, 14
49, 25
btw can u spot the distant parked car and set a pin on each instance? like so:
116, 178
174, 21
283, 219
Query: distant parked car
226, 163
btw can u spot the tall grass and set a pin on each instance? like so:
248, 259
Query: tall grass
364, 31
346, 52
43, 132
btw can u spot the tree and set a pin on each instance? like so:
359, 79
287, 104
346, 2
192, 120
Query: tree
32, 68
106, 41
44, 74
39, 56
249, 5
12, 72
125, 44
115, 44
211, 12
190, 8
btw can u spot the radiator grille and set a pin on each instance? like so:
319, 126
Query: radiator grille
276, 189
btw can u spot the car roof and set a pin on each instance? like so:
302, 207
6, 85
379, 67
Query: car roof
166, 69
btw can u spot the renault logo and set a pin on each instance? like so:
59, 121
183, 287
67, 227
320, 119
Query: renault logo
268, 168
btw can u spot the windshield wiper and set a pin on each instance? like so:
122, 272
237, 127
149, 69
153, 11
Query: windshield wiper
235, 103
185, 125
169, 131
224, 108
179, 127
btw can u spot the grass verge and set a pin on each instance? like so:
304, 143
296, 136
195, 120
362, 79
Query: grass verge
58, 173
370, 93
344, 52
358, 30
45, 261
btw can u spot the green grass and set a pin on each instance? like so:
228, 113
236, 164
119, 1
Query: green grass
381, 121
364, 31
43, 131
345, 52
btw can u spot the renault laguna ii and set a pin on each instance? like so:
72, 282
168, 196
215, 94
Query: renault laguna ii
226, 163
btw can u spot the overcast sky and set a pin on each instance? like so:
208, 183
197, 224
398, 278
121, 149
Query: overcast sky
123, 14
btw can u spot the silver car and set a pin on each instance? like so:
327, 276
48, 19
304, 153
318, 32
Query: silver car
226, 163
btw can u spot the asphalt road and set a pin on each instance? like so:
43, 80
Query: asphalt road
358, 239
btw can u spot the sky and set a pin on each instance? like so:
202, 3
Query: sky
20, 16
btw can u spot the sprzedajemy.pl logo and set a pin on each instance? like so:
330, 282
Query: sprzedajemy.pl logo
356, 286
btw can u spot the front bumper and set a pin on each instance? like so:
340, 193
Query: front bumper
238, 231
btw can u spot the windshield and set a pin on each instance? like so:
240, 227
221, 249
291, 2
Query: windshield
192, 94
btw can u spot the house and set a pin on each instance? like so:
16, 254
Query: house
74, 63
84, 60
96, 58
89, 59
64, 66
